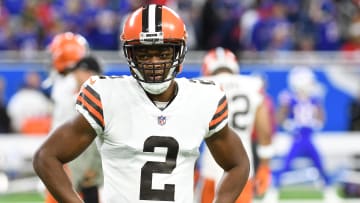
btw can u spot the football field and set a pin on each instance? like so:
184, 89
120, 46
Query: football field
31, 197
286, 196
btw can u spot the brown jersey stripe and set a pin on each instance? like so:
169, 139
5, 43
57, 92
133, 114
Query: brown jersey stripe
220, 114
98, 117
93, 92
94, 105
222, 104
91, 99
215, 122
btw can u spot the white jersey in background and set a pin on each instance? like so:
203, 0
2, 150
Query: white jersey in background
244, 96
153, 143
63, 94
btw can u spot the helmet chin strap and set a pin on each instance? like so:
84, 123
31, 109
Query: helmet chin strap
155, 88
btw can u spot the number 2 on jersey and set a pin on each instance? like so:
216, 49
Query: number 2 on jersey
150, 167
240, 112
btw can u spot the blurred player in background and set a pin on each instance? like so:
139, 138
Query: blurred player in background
37, 119
268, 100
301, 114
247, 111
149, 125
73, 66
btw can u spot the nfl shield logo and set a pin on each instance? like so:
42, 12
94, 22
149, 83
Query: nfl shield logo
161, 120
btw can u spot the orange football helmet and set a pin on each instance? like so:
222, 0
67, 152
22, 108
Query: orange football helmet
219, 58
149, 27
66, 50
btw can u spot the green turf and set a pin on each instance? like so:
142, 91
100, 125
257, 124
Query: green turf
300, 193
21, 198
290, 193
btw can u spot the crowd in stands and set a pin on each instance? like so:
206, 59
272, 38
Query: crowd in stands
239, 25
256, 25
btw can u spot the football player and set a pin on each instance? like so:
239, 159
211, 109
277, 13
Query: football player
73, 66
301, 114
149, 125
247, 111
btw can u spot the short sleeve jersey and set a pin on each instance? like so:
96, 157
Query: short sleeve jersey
244, 94
149, 154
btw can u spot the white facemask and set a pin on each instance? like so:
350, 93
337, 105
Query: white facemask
155, 88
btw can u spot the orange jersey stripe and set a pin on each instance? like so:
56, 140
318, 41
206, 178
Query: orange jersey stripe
219, 119
92, 110
221, 107
92, 97
220, 113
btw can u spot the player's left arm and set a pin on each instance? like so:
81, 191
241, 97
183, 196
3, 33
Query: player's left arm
265, 151
228, 151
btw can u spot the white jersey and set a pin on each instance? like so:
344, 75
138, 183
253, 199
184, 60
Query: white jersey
244, 95
63, 94
149, 154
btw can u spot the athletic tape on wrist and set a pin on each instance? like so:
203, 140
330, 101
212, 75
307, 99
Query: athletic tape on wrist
265, 151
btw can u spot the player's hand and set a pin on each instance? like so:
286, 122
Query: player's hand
262, 179
89, 178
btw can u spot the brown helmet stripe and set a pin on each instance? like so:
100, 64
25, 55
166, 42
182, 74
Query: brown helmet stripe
158, 19
151, 18
145, 19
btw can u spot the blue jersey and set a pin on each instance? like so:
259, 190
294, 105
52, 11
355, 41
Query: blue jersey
303, 113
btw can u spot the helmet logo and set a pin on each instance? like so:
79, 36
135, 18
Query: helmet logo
151, 38
161, 120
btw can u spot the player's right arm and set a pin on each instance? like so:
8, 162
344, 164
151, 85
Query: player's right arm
229, 152
63, 145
